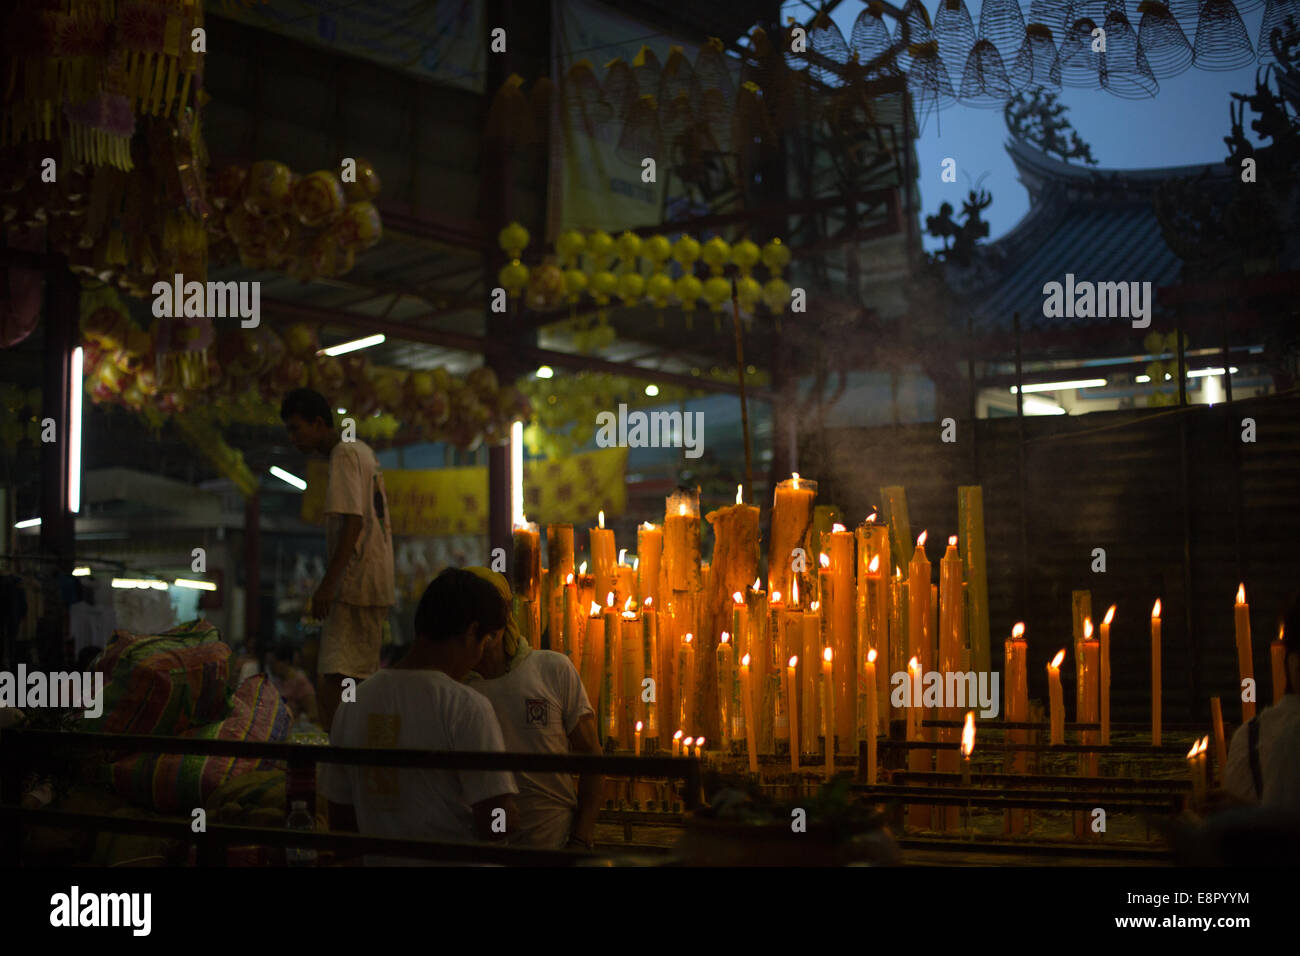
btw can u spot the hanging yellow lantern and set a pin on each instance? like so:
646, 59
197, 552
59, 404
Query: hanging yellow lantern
715, 254
688, 290
569, 244
776, 294
658, 250
748, 291
513, 276
600, 247
659, 287
745, 255
629, 247
717, 290
575, 283
631, 287
513, 239
776, 256
685, 251
603, 285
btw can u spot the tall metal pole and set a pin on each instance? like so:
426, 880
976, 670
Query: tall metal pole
1020, 465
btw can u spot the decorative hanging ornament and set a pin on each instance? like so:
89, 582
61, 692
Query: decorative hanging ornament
715, 254
688, 289
659, 288
513, 240
658, 250
717, 290
685, 251
575, 283
776, 294
600, 248
569, 245
745, 254
748, 293
513, 276
631, 287
604, 284
629, 247
776, 256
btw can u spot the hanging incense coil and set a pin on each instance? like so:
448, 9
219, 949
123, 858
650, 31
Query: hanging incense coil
927, 79
1276, 13
830, 51
1056, 15
582, 101
1125, 71
984, 81
620, 87
1036, 63
677, 77
870, 39
1162, 40
1003, 25
956, 35
714, 90
1080, 65
1221, 40
919, 32
641, 135
510, 118
648, 72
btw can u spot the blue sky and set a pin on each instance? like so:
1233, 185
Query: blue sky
1184, 123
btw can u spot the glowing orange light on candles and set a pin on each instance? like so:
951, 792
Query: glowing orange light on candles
794, 661
874, 566
629, 615
1087, 628
609, 599
814, 605
649, 601
636, 563
871, 518
595, 609
794, 590
871, 656
738, 597
776, 597
1155, 610
1110, 616
681, 509
744, 661
622, 555
600, 518
1056, 661
649, 526
639, 725
824, 559
568, 578
1241, 593
838, 527
725, 637
688, 638
968, 734
758, 585
952, 541
794, 477
1019, 630
627, 605
826, 654
677, 736
920, 540
739, 498
687, 742
582, 568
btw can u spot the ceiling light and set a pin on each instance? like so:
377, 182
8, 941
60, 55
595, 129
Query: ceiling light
545, 371
195, 585
652, 390
344, 347
288, 478
1039, 406
1142, 379
80, 572
29, 523
1203, 372
1058, 386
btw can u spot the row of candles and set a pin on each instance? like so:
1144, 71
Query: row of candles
756, 681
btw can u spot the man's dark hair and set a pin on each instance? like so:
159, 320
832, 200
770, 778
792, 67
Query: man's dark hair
307, 404
456, 599
284, 652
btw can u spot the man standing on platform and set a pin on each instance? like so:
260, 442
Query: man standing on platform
354, 597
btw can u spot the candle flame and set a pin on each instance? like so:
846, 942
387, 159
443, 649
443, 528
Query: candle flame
1155, 609
968, 734
622, 555
874, 566
1195, 749
636, 563
920, 540
600, 518
582, 568
1205, 743
699, 743
627, 605
871, 518
758, 585
1241, 593
826, 655
1019, 630
776, 597
688, 741
871, 656
609, 599
952, 541
677, 736
738, 597
744, 661
794, 587
648, 525
1056, 661
814, 606
794, 477
639, 725
595, 609
740, 500
681, 510
914, 665
1087, 628
898, 574
648, 602
725, 637
629, 615
568, 578
688, 638
824, 559
1110, 616
794, 661
838, 528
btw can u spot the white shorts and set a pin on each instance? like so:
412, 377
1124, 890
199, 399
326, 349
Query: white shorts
350, 640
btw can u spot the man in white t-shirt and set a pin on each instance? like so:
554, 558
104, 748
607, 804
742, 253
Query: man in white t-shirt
354, 596
420, 703
541, 704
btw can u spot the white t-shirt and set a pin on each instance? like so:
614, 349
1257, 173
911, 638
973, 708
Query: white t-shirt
1279, 757
539, 704
421, 710
356, 487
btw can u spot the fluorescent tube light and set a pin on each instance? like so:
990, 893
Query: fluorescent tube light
288, 478
344, 347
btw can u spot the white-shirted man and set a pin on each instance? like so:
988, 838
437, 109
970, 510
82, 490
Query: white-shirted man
354, 597
539, 700
421, 703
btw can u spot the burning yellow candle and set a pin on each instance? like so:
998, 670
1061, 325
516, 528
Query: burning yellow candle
624, 579
777, 615
919, 613
869, 678
967, 747
912, 714
637, 738
1245, 662
602, 557
1089, 672
1194, 768
747, 695
649, 549
1277, 664
1017, 711
828, 716
609, 688
569, 618
677, 744
1156, 679
681, 552
686, 679
650, 665
699, 747
810, 709
1220, 747
792, 679
841, 607
918, 759
726, 690
1057, 704
1105, 675
686, 747
740, 623
952, 612
876, 633
792, 514
593, 655
559, 564
629, 680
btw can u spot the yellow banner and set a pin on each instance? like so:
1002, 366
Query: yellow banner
446, 501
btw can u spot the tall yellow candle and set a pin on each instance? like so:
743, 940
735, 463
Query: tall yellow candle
1089, 699
677, 744
726, 678
1080, 608
952, 611
1277, 665
766, 660
570, 622
650, 666
792, 516
809, 705
912, 714
624, 580
593, 655
681, 553
828, 716
631, 657
869, 677
649, 549
740, 623
1057, 703
747, 693
1105, 675
609, 691
560, 570
791, 688
898, 630
637, 751
920, 640
918, 759
1220, 746
1194, 768
602, 558
685, 672
844, 636
527, 581
1017, 711
1156, 677
1245, 662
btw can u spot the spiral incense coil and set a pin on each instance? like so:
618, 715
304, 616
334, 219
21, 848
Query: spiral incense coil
641, 135
870, 38
1126, 72
1003, 25
919, 32
956, 35
714, 88
830, 48
1221, 40
984, 82
582, 100
677, 77
927, 78
648, 72
1163, 42
1036, 62
1080, 65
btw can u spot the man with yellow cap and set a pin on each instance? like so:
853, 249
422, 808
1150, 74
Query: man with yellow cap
539, 700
